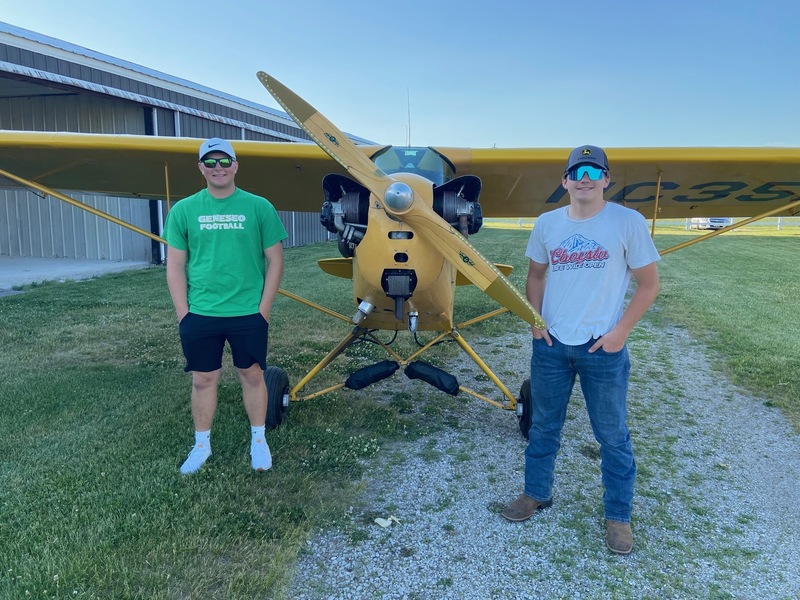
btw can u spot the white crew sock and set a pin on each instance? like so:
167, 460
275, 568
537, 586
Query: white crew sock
202, 439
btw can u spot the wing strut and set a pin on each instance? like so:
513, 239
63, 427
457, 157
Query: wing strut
166, 183
712, 234
655, 207
90, 209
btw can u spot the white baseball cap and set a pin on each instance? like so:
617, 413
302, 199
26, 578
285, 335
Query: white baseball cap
217, 145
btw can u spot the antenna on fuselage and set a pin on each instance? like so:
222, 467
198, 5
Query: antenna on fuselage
408, 128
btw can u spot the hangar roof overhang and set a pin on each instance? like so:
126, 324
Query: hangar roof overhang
22, 80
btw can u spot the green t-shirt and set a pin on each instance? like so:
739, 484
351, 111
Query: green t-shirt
225, 241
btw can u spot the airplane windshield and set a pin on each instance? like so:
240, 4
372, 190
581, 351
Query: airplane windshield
426, 162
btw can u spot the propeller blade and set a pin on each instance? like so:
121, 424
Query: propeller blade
328, 137
470, 262
400, 199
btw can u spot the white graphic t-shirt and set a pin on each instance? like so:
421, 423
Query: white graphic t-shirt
590, 264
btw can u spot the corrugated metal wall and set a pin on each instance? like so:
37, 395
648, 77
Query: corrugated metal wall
49, 228
71, 112
193, 126
166, 121
304, 228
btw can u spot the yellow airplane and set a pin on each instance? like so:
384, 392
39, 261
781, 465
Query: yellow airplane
403, 215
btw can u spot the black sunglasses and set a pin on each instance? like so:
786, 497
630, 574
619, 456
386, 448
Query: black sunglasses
210, 163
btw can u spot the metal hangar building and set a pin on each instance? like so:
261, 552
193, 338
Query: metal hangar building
51, 85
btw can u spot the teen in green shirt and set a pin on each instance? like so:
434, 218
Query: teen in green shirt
224, 266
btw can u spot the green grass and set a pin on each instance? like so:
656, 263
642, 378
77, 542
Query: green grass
96, 418
740, 294
96, 422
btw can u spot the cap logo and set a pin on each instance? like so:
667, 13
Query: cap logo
586, 152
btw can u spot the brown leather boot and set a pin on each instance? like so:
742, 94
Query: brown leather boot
619, 537
523, 508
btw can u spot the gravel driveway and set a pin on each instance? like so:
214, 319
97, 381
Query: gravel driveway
716, 512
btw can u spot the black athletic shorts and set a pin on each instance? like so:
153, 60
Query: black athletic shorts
203, 340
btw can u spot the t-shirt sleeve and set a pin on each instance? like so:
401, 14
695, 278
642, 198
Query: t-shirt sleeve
641, 249
175, 231
536, 250
272, 229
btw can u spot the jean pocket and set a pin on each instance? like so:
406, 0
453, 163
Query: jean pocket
611, 352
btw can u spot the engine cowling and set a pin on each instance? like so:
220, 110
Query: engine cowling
457, 203
345, 211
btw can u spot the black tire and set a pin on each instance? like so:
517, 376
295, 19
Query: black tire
277, 396
525, 408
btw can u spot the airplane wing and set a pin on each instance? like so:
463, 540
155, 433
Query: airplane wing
288, 174
694, 182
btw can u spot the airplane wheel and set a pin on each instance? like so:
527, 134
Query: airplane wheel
277, 396
525, 408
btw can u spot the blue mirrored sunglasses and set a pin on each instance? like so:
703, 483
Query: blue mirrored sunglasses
594, 173
210, 163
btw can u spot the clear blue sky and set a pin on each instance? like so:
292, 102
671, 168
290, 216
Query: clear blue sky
520, 73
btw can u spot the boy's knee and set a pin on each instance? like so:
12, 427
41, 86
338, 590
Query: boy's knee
203, 380
253, 374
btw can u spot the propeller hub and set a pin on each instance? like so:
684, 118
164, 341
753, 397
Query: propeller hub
398, 196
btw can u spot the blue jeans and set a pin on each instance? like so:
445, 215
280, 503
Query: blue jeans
604, 381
